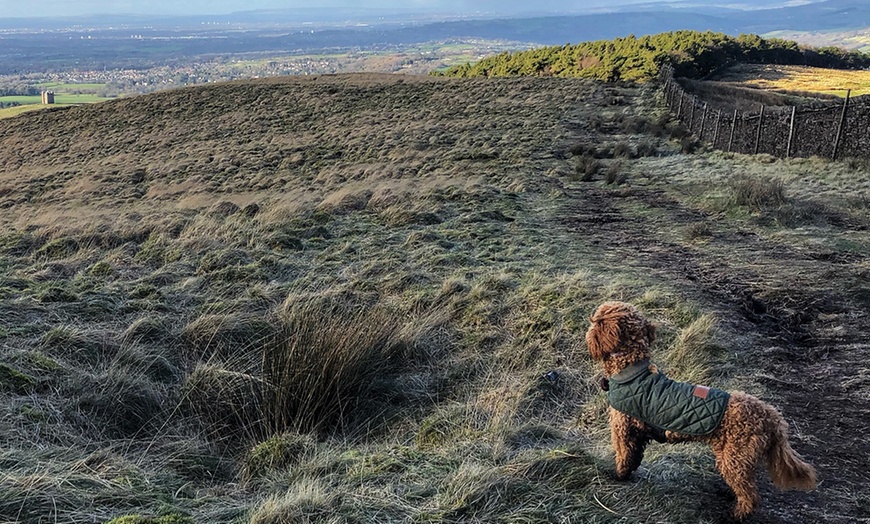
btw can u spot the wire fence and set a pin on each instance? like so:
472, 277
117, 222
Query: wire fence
837, 131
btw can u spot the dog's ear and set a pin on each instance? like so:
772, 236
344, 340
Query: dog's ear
603, 334
600, 339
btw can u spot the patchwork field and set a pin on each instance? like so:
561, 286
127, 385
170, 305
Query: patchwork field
363, 298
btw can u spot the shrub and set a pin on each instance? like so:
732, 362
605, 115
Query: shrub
689, 144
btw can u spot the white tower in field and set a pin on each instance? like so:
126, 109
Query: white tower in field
48, 97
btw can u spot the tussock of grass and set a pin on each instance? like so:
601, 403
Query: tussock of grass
122, 405
13, 380
757, 193
229, 337
698, 231
276, 452
448, 425
75, 345
319, 367
309, 500
690, 359
148, 329
227, 403
586, 167
48, 483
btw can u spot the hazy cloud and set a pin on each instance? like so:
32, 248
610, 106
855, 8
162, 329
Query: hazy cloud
86, 7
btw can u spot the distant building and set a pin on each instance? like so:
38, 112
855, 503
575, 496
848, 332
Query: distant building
48, 97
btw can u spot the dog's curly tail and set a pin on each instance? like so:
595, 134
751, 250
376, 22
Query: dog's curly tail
786, 468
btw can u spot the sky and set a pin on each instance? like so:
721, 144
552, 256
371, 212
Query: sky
17, 8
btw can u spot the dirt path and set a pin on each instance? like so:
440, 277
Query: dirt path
812, 343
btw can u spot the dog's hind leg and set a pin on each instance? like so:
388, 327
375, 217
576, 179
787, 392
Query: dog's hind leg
629, 440
738, 464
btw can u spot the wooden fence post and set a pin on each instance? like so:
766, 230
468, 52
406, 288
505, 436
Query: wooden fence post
692, 114
680, 107
758, 133
733, 125
840, 125
790, 133
703, 122
718, 124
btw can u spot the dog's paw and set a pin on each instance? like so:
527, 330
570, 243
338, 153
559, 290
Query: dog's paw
604, 384
620, 477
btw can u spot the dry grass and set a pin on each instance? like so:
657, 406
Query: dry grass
799, 79
360, 299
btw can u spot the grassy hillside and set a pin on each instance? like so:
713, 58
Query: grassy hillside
363, 298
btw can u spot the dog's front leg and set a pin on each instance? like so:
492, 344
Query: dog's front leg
629, 440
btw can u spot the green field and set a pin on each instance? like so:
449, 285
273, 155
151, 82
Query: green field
59, 98
33, 103
8, 112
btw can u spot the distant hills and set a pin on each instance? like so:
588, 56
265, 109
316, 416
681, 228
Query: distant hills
117, 41
420, 25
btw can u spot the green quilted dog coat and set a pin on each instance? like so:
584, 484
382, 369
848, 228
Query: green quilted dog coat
666, 404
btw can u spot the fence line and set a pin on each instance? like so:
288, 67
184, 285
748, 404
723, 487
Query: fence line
837, 131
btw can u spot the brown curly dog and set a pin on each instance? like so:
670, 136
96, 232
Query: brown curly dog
742, 430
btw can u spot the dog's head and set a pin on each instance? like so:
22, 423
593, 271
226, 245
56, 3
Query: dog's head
618, 328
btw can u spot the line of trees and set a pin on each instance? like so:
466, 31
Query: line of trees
19, 90
693, 54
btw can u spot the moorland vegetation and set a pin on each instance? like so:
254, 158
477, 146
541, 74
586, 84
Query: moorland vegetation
362, 298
